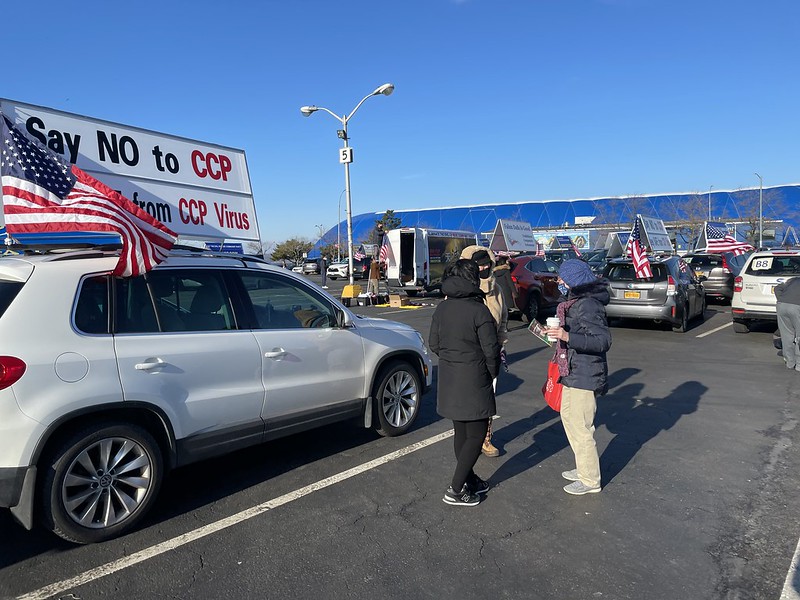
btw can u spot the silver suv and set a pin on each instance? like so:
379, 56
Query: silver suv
754, 286
108, 383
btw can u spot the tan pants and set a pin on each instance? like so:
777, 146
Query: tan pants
578, 408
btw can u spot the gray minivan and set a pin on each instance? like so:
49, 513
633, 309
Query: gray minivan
673, 295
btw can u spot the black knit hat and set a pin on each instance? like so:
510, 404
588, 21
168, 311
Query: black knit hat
482, 258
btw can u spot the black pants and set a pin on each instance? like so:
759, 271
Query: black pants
467, 442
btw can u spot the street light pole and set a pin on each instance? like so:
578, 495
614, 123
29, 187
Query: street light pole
339, 228
346, 157
709, 201
760, 211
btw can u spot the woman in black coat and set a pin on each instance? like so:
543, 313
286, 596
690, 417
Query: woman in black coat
583, 340
464, 337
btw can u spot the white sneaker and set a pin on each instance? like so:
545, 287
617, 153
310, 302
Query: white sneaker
571, 475
578, 488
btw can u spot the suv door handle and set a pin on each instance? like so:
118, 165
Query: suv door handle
149, 364
275, 353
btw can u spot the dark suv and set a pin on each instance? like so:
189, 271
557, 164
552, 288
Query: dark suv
673, 295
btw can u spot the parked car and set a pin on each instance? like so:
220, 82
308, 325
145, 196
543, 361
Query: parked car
716, 274
107, 383
560, 255
311, 267
754, 287
537, 284
297, 269
596, 259
338, 269
673, 295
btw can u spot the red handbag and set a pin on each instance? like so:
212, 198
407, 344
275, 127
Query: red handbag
551, 390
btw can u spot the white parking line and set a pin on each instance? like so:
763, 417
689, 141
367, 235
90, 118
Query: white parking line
715, 330
191, 536
789, 590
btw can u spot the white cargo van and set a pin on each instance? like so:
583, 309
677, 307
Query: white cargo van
417, 256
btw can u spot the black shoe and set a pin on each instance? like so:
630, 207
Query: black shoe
477, 485
464, 498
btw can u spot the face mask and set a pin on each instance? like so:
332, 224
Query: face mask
562, 287
485, 273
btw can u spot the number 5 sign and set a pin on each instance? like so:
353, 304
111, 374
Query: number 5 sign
345, 155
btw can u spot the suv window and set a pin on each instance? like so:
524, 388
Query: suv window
174, 300
774, 266
91, 310
540, 265
704, 261
626, 272
280, 304
8, 291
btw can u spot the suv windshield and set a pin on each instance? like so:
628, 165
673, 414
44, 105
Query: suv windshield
626, 272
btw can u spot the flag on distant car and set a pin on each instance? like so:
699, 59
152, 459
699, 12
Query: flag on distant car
386, 250
359, 254
540, 249
719, 239
43, 193
637, 253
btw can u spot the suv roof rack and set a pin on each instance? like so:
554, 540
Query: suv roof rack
57, 248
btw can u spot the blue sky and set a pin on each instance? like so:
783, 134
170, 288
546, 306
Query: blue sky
495, 100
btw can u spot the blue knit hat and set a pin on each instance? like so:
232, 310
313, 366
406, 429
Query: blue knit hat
576, 272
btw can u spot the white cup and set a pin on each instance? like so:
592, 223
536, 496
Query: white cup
552, 322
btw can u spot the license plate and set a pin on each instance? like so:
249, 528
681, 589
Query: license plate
698, 273
634, 295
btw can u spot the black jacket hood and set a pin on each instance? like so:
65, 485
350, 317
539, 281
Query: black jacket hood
596, 289
458, 287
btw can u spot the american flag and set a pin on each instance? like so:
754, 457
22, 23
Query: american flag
575, 248
386, 250
359, 254
634, 248
539, 249
43, 193
718, 239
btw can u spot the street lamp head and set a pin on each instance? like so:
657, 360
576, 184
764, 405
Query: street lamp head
386, 89
307, 110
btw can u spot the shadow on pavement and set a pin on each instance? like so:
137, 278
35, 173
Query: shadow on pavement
633, 420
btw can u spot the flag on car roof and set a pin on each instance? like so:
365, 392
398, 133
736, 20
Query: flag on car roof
640, 262
719, 239
359, 254
539, 249
43, 193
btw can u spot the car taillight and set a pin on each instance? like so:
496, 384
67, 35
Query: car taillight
725, 268
514, 279
737, 284
670, 286
11, 369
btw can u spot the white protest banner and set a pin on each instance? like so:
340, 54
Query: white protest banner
199, 190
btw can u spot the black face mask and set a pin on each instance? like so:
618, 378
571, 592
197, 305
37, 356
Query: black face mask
485, 273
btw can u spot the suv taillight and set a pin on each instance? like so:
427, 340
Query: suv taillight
737, 284
725, 268
670, 286
11, 369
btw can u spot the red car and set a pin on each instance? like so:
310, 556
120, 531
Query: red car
537, 285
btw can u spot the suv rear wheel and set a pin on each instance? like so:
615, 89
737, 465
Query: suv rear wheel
683, 327
532, 311
100, 482
398, 391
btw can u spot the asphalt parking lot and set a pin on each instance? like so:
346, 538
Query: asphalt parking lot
697, 436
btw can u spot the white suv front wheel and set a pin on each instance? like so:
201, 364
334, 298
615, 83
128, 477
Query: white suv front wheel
398, 391
101, 482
